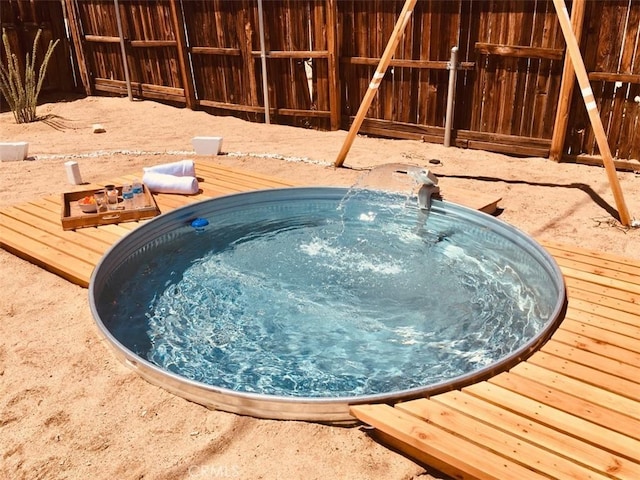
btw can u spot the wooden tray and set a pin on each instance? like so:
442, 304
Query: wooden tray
73, 217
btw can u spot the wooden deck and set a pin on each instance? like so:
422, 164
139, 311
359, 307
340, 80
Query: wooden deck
33, 230
571, 410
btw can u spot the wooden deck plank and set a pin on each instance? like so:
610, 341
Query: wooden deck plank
595, 346
612, 298
606, 323
167, 202
626, 283
604, 266
590, 432
617, 313
626, 387
549, 394
591, 393
541, 435
90, 238
583, 288
499, 442
579, 357
59, 239
602, 335
589, 256
38, 252
227, 175
49, 209
446, 451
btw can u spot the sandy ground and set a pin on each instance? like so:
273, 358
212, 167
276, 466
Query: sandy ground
69, 409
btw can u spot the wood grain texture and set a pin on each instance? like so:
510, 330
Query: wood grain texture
571, 410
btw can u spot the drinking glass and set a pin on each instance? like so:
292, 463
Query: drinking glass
101, 200
112, 196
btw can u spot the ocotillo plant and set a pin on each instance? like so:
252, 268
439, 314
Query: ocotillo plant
22, 96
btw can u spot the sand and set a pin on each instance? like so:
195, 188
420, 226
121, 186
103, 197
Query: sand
70, 409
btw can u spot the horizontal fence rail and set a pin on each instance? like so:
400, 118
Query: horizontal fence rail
317, 58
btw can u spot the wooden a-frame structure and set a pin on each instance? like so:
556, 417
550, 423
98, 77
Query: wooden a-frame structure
576, 63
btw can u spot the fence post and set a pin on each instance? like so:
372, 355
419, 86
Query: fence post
125, 63
187, 78
334, 75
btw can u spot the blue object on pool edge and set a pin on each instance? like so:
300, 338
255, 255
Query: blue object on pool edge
148, 245
199, 224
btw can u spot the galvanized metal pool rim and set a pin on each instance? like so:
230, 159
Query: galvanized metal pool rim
326, 410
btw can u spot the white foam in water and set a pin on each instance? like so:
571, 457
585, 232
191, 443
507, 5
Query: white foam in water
344, 259
367, 217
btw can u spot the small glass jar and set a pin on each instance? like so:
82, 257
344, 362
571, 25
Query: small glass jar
101, 201
112, 196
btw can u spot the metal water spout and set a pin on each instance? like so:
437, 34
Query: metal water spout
429, 186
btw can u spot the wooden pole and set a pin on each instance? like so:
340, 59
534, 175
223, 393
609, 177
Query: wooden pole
123, 50
592, 110
396, 35
566, 86
334, 65
185, 71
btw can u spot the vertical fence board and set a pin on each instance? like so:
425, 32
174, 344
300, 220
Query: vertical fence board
432, 90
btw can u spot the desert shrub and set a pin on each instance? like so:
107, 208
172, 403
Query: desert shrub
22, 93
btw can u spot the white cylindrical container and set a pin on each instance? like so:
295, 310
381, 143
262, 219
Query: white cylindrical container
73, 172
127, 197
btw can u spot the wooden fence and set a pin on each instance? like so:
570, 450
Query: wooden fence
320, 56
21, 21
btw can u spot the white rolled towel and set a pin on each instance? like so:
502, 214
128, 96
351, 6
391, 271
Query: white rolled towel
162, 183
183, 168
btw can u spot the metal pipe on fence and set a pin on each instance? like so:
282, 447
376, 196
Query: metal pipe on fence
263, 59
453, 72
125, 64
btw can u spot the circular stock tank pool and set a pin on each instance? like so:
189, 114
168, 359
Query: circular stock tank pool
296, 303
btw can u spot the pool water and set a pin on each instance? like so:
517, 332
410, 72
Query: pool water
330, 296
